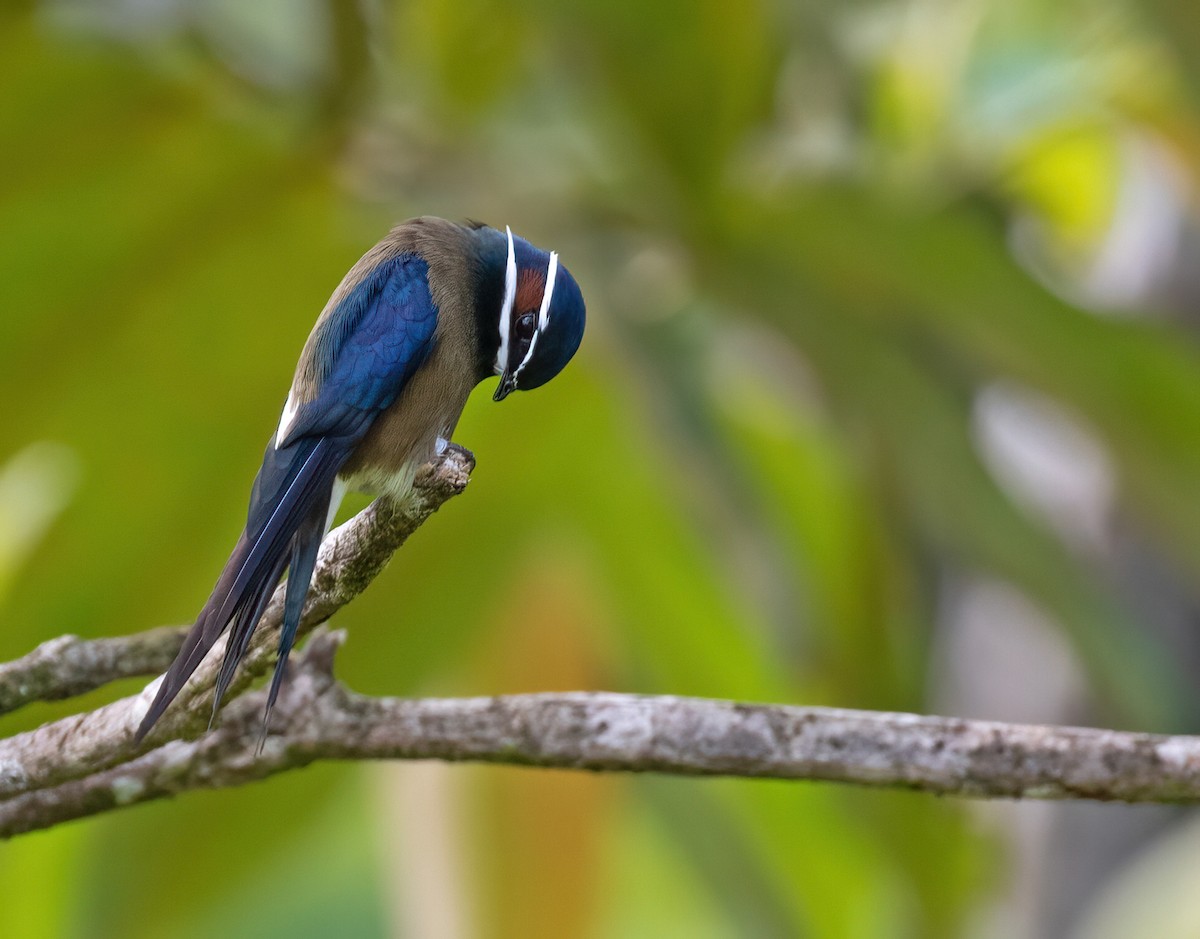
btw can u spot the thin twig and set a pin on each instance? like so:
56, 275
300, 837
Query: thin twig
67, 666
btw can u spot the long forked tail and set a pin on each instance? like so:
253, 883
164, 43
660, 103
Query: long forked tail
288, 511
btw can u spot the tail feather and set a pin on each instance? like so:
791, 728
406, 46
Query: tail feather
305, 547
277, 525
200, 638
244, 621
293, 488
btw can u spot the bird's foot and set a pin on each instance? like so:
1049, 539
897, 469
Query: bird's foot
450, 468
448, 448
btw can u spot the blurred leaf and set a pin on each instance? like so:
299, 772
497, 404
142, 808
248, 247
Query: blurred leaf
35, 486
694, 78
917, 277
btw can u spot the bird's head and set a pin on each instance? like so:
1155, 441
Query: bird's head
540, 316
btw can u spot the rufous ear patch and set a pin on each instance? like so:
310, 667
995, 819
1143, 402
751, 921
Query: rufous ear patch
531, 284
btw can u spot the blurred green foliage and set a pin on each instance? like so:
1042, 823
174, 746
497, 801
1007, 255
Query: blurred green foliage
794, 224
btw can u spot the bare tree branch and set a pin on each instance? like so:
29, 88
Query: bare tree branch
67, 666
351, 557
317, 718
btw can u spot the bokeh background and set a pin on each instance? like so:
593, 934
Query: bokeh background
890, 399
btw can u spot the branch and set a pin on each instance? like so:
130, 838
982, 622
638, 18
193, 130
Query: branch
351, 557
67, 666
85, 764
317, 718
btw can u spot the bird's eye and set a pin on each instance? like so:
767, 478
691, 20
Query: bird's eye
526, 325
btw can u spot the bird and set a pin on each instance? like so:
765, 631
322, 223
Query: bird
432, 310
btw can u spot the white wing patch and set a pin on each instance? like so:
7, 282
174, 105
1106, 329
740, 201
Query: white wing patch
285, 421
510, 297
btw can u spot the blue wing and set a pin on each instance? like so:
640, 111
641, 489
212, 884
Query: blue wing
365, 351
355, 365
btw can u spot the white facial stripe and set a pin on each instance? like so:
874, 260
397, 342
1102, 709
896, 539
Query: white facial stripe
543, 313
548, 293
510, 297
528, 356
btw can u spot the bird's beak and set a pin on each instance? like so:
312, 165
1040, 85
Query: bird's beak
507, 385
